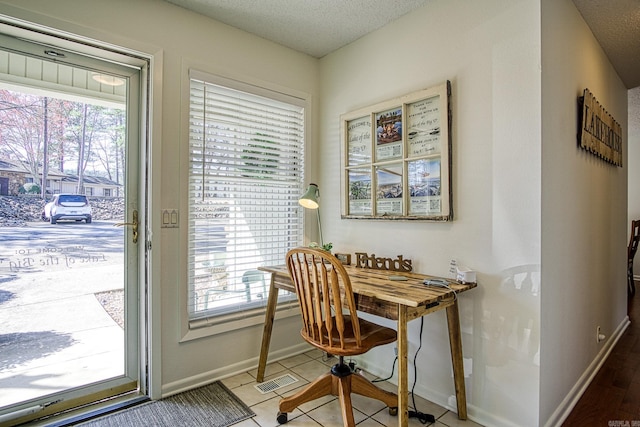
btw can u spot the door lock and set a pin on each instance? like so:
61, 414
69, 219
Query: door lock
133, 224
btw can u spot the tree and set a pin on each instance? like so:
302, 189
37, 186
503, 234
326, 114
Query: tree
85, 121
45, 162
21, 129
108, 147
44, 133
59, 111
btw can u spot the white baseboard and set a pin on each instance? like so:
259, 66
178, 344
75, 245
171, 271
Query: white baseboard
445, 400
486, 418
566, 406
221, 373
475, 414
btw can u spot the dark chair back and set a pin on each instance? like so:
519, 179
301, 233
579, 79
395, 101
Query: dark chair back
634, 239
631, 253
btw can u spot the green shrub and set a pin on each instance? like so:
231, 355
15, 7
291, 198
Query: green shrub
30, 188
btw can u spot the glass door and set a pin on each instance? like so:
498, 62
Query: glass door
71, 132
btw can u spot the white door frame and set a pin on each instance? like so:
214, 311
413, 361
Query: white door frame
147, 66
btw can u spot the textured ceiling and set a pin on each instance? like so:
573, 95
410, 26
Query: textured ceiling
318, 27
315, 27
616, 26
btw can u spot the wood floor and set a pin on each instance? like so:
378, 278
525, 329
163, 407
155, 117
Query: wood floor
613, 398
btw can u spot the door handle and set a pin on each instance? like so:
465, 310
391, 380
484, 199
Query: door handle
133, 224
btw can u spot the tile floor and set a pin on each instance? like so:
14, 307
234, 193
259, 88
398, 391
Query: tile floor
325, 411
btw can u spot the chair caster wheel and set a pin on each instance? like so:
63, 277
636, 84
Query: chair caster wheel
282, 417
393, 411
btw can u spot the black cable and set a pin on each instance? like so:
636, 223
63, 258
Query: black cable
393, 368
422, 417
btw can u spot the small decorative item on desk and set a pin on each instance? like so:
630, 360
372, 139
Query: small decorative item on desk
344, 258
364, 260
326, 247
465, 275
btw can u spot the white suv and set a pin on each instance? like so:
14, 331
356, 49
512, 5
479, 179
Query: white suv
67, 206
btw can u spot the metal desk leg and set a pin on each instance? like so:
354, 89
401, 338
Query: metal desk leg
272, 302
403, 381
455, 341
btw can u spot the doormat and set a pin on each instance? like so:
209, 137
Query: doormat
213, 405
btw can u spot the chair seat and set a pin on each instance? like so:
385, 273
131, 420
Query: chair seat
371, 335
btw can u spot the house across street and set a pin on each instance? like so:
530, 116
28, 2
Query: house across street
14, 177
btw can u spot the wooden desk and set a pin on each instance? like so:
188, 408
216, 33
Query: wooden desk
401, 301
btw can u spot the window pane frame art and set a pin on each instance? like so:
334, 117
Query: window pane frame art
396, 158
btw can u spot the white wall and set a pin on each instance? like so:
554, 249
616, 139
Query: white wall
490, 51
177, 39
584, 212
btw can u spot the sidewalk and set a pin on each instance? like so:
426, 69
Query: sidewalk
55, 334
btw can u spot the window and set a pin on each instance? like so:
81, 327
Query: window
246, 148
106, 192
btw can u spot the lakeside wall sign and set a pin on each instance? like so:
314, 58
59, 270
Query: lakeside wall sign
599, 132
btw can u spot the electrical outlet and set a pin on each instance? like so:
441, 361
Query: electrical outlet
395, 350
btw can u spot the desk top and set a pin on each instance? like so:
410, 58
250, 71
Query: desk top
376, 284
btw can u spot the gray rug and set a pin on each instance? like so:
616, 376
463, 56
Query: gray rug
213, 405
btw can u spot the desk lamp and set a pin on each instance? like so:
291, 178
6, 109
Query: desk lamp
309, 200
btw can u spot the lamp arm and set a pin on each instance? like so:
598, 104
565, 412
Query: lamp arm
320, 228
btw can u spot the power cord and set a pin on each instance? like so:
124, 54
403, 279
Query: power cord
393, 368
421, 416
441, 283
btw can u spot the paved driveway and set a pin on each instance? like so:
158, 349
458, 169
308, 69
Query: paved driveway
55, 334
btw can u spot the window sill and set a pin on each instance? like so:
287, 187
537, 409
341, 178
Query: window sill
209, 326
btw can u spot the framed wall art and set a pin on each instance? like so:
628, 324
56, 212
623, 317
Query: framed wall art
397, 158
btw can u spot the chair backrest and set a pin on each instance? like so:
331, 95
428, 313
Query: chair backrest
324, 290
252, 276
634, 239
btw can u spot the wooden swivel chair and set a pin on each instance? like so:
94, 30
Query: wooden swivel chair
323, 289
631, 252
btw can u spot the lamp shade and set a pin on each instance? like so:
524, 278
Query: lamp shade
309, 199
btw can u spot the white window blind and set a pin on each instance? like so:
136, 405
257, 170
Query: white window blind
245, 177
